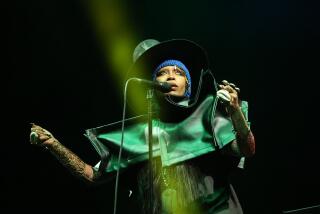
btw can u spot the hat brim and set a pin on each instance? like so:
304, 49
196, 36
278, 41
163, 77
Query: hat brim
191, 54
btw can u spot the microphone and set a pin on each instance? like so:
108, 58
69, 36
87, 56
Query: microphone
34, 138
160, 86
224, 96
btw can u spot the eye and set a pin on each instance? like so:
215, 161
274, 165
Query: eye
161, 73
179, 72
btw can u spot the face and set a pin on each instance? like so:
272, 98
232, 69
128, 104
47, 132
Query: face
175, 76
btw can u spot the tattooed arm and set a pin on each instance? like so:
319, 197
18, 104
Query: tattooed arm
244, 145
66, 157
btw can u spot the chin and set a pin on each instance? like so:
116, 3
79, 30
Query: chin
175, 94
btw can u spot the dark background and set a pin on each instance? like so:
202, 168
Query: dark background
56, 74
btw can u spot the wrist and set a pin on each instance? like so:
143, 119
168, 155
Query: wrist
233, 109
243, 133
51, 142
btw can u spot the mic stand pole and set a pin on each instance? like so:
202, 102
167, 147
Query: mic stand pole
150, 140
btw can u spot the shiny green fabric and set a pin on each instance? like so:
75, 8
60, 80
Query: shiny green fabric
173, 141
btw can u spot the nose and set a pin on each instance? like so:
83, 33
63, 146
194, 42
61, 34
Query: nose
171, 76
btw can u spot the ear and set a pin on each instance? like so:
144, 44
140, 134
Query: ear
187, 83
187, 88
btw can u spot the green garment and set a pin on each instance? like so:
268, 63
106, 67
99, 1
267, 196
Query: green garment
175, 142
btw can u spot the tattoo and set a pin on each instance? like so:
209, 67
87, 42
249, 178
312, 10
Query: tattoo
245, 143
70, 160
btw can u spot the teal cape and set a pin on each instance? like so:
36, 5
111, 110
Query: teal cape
203, 131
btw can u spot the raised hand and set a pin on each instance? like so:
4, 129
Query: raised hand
229, 95
40, 136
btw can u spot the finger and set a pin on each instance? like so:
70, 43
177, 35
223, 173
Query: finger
43, 132
44, 137
46, 132
235, 87
224, 86
232, 85
37, 130
225, 82
229, 89
34, 126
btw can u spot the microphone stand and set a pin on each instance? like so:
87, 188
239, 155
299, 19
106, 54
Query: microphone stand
150, 140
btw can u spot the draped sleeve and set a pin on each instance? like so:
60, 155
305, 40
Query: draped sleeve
205, 130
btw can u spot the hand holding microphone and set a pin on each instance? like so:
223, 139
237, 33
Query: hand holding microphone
40, 136
228, 94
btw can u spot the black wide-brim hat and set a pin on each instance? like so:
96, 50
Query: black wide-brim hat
150, 53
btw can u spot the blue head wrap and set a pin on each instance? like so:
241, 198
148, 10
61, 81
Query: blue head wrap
172, 62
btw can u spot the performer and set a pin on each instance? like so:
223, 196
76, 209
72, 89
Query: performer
197, 143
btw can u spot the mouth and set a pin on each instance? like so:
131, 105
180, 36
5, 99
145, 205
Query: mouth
174, 88
173, 85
